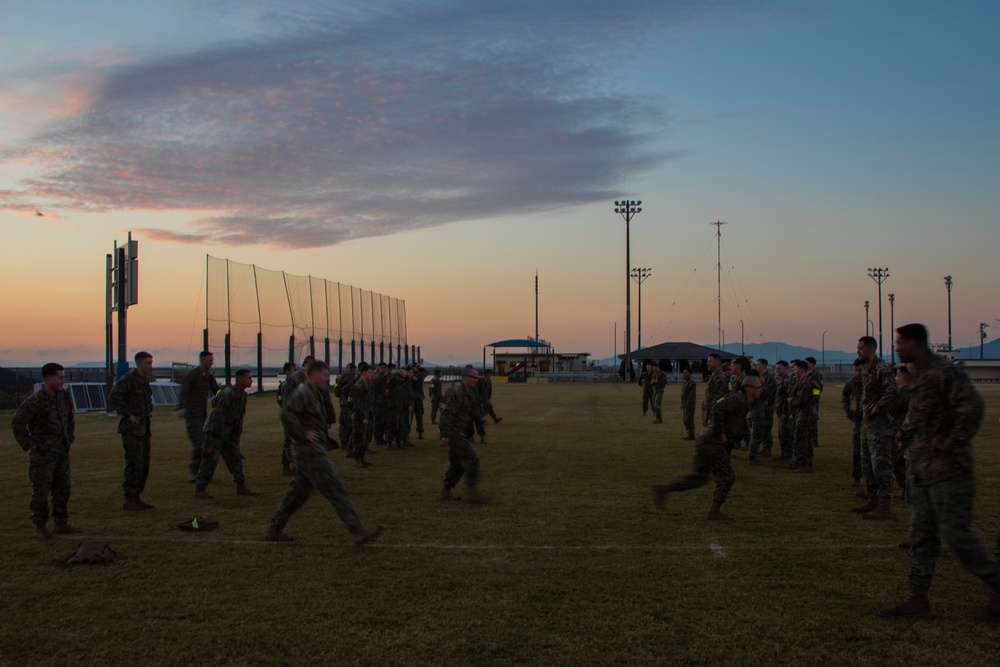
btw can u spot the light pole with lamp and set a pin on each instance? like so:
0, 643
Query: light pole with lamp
892, 326
879, 276
824, 347
948, 284
640, 276
628, 209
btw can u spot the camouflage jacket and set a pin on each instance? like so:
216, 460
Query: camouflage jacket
850, 399
800, 394
379, 383
45, 421
901, 407
417, 384
728, 418
196, 388
689, 395
400, 392
647, 381
361, 400
816, 379
302, 411
226, 421
769, 392
434, 390
132, 397
716, 390
945, 409
343, 384
782, 386
659, 381
878, 390
463, 409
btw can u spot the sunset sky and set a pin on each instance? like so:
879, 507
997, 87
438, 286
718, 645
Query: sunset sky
442, 152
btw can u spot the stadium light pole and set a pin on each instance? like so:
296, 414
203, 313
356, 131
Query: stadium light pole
640, 275
948, 284
879, 275
892, 326
823, 338
628, 209
868, 320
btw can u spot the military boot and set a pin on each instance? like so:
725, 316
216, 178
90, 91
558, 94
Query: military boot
200, 492
715, 513
881, 512
916, 606
446, 494
991, 614
65, 529
660, 493
131, 504
363, 535
41, 533
144, 505
244, 490
275, 535
868, 506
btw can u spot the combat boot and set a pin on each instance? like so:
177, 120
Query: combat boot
916, 606
991, 614
244, 490
275, 535
795, 465
715, 513
41, 533
131, 504
880, 513
806, 468
658, 420
144, 505
660, 493
362, 535
446, 494
201, 493
868, 506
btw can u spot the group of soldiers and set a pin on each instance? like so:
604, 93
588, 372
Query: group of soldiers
913, 428
381, 404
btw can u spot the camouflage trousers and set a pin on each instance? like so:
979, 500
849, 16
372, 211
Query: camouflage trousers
709, 457
313, 470
786, 435
689, 421
48, 471
228, 452
877, 441
346, 429
856, 473
195, 425
379, 422
418, 415
761, 424
942, 512
359, 438
463, 459
137, 449
647, 398
898, 464
803, 437
286, 449
398, 418
658, 404
435, 408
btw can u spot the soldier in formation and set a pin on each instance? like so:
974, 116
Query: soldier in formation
762, 416
850, 400
362, 413
286, 445
689, 396
435, 392
782, 412
197, 388
715, 390
878, 397
44, 427
659, 382
132, 398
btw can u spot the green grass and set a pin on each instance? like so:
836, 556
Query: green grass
570, 565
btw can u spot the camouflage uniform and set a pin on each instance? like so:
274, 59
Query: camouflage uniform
463, 410
878, 393
647, 390
488, 405
398, 404
689, 396
784, 414
483, 400
816, 378
343, 386
379, 420
417, 389
899, 411
714, 447
44, 427
715, 391
301, 412
850, 399
659, 382
761, 418
800, 407
361, 410
132, 397
436, 393
195, 391
223, 429
945, 412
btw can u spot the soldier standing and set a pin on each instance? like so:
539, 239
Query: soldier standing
716, 389
945, 412
727, 424
762, 416
436, 392
647, 388
878, 397
462, 411
133, 399
304, 414
380, 425
850, 398
488, 388
800, 407
781, 410
197, 387
285, 387
417, 389
899, 411
361, 414
223, 430
817, 381
689, 396
659, 383
342, 390
44, 427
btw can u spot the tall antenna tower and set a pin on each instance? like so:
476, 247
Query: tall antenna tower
718, 268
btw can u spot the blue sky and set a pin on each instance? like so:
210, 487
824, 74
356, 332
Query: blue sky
442, 152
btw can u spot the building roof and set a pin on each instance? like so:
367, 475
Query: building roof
690, 351
516, 342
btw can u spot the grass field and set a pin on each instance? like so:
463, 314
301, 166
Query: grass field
570, 565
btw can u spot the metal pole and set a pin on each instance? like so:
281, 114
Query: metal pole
892, 327
718, 265
628, 209
948, 283
120, 272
